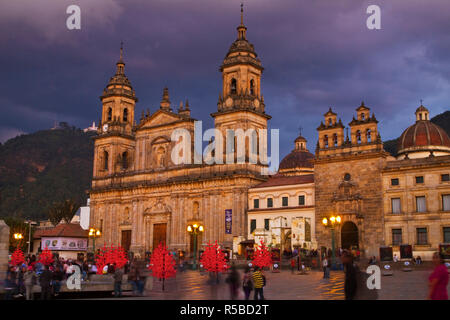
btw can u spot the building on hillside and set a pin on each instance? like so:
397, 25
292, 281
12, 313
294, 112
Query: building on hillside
416, 189
140, 197
281, 209
93, 127
82, 216
67, 239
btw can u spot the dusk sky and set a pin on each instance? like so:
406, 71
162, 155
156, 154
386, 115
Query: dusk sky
316, 54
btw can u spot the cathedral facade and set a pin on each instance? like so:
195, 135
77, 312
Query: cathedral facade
140, 197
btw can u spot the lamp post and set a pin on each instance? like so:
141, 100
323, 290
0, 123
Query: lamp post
94, 233
18, 237
195, 229
330, 223
30, 223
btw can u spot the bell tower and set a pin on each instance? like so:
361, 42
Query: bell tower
118, 100
115, 142
241, 75
241, 103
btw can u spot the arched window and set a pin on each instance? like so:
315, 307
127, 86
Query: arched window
369, 135
125, 160
358, 136
335, 140
109, 114
105, 160
125, 115
330, 121
325, 141
233, 86
252, 87
363, 116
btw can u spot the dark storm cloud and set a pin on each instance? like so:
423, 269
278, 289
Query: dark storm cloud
316, 54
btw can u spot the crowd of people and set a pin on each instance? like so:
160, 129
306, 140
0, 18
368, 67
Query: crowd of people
21, 279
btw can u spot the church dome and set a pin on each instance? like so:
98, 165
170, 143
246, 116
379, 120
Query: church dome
299, 161
424, 138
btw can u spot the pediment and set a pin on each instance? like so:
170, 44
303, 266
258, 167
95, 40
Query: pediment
159, 118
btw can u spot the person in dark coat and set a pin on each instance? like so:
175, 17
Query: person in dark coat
45, 280
233, 281
350, 284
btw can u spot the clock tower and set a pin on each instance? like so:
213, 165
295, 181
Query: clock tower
114, 145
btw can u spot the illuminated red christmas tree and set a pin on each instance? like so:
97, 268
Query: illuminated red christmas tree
17, 257
162, 263
110, 255
213, 259
46, 257
262, 256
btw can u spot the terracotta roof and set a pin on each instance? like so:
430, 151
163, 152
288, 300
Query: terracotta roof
281, 180
72, 230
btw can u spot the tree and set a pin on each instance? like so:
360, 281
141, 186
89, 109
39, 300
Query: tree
46, 257
69, 208
162, 263
213, 259
262, 256
64, 210
110, 255
17, 257
17, 225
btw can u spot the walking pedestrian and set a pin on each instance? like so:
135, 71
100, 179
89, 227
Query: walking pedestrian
292, 265
247, 283
438, 280
45, 280
233, 282
258, 283
118, 276
350, 276
133, 278
29, 279
58, 276
325, 268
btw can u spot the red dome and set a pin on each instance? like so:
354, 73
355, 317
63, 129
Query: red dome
423, 135
297, 159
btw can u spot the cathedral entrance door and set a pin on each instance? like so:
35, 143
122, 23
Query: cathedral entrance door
159, 234
349, 235
126, 239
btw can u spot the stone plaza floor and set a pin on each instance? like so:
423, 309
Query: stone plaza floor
191, 285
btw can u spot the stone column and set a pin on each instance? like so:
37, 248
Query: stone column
4, 250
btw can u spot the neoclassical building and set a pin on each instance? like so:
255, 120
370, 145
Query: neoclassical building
140, 197
416, 189
281, 210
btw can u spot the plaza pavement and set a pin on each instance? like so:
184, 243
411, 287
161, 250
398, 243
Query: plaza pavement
191, 285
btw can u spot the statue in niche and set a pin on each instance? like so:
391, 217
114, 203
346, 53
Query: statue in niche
195, 209
160, 157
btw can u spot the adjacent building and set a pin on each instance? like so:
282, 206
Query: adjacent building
281, 209
416, 189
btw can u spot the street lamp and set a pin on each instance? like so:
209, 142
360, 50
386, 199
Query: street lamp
195, 229
30, 223
330, 222
94, 233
